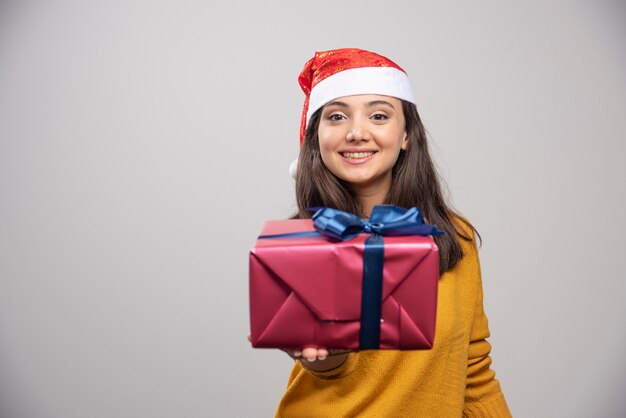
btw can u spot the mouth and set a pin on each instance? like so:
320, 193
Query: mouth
357, 155
357, 158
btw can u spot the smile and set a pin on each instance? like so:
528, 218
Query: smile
357, 155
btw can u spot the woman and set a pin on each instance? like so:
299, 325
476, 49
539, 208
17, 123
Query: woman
363, 144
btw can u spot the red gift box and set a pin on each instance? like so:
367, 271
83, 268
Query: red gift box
307, 290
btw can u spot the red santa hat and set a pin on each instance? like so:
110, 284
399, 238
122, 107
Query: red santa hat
347, 72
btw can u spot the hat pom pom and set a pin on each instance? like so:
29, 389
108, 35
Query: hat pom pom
293, 168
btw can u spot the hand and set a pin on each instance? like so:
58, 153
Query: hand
319, 359
309, 354
333, 357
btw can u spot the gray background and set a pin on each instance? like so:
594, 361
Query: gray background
143, 143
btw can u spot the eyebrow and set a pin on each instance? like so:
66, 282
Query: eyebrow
336, 103
368, 104
380, 102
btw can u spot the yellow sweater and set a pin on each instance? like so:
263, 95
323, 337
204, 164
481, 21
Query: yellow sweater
453, 379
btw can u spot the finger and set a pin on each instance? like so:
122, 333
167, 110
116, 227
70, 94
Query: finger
249, 338
309, 353
322, 353
294, 354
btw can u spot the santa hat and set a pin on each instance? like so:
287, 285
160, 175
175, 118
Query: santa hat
347, 72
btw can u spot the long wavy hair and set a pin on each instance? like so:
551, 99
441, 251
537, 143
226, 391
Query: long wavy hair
415, 182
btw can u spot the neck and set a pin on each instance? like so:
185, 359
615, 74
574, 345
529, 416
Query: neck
372, 194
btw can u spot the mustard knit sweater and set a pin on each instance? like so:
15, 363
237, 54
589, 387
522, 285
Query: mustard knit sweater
453, 379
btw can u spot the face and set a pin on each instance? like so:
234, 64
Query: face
361, 137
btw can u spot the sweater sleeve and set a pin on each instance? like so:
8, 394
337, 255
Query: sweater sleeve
483, 395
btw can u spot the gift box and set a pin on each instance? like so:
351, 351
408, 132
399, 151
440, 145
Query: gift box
357, 286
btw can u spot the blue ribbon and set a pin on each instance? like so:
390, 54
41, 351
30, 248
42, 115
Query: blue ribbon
386, 220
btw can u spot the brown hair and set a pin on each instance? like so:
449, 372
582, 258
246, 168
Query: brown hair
415, 182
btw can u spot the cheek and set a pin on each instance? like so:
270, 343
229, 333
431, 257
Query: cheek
326, 146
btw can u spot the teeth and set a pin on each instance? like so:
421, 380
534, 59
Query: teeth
357, 154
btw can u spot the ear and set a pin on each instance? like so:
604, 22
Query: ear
405, 142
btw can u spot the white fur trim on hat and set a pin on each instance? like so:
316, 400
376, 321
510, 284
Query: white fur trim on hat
386, 81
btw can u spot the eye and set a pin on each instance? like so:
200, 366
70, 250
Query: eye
335, 117
380, 116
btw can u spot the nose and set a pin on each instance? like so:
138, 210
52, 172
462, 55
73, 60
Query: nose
358, 131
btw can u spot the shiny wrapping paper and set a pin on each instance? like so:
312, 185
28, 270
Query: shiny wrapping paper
306, 291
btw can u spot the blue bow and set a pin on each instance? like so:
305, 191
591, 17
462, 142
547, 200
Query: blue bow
385, 220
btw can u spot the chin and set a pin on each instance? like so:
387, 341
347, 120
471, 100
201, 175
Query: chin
360, 182
357, 181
